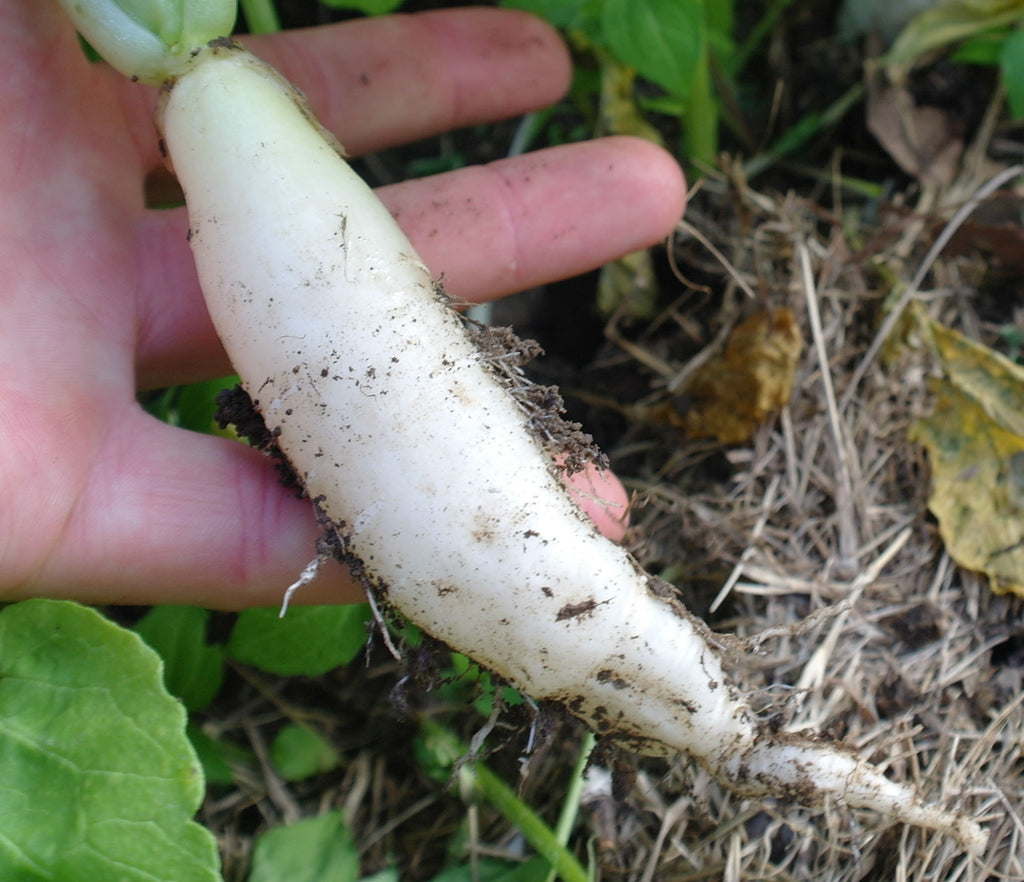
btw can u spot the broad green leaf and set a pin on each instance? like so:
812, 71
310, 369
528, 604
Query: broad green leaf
570, 15
984, 50
308, 641
193, 669
298, 753
197, 405
312, 850
1011, 64
99, 780
367, 7
663, 40
975, 443
721, 17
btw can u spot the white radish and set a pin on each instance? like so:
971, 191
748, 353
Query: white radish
442, 494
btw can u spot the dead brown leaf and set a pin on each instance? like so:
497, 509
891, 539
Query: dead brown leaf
923, 141
731, 395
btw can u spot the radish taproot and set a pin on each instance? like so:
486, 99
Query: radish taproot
436, 482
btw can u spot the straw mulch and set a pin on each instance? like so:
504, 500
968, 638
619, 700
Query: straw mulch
816, 534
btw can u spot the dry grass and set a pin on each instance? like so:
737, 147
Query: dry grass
823, 515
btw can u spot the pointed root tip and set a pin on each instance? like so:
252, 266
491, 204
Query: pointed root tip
806, 771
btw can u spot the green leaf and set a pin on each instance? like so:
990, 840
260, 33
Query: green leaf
984, 50
308, 641
99, 780
721, 18
192, 406
570, 15
1011, 63
367, 7
197, 405
312, 850
941, 25
150, 40
193, 669
299, 753
260, 16
663, 40
219, 757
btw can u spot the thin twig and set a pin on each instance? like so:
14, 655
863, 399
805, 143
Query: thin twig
691, 230
767, 505
814, 671
382, 626
276, 791
848, 541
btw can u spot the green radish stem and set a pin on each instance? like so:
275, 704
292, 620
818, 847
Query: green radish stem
477, 781
435, 483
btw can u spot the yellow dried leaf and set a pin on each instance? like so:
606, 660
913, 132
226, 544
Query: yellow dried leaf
731, 395
619, 112
995, 382
975, 442
628, 284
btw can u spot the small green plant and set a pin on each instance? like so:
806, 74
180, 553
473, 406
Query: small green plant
94, 738
100, 781
680, 45
988, 32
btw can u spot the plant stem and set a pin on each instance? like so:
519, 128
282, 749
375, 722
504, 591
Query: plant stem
757, 36
571, 803
519, 814
477, 779
702, 115
802, 131
260, 16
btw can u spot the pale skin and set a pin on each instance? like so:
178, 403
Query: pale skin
98, 297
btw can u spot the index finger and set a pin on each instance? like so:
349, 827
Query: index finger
383, 81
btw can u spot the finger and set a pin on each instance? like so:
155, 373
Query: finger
394, 79
516, 223
175, 517
601, 495
488, 230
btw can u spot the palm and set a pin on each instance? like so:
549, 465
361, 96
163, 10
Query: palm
102, 502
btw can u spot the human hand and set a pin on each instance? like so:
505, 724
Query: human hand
102, 502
